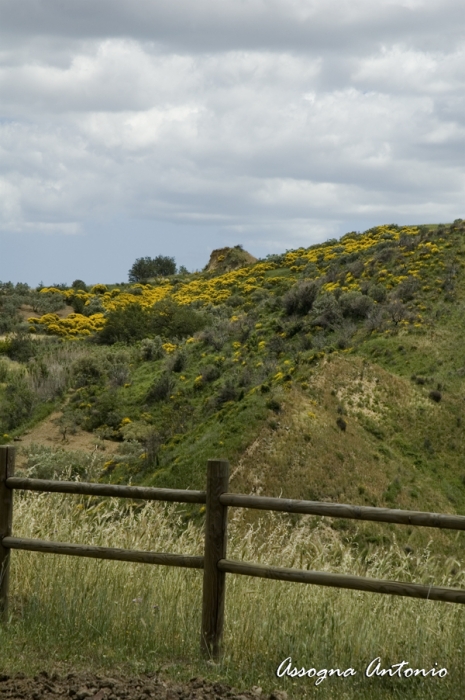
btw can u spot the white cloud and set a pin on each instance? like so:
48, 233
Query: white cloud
275, 121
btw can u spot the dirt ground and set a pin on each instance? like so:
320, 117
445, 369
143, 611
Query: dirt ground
83, 686
50, 434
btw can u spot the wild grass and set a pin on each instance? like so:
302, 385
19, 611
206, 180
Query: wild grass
71, 612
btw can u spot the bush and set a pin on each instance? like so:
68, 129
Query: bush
8, 320
46, 463
407, 289
235, 300
177, 362
175, 321
4, 371
119, 374
151, 349
377, 292
375, 320
210, 373
79, 305
345, 334
95, 306
18, 403
145, 268
79, 284
276, 345
228, 392
104, 412
21, 347
87, 371
161, 388
327, 311
355, 305
397, 311
216, 340
126, 324
300, 298
48, 303
356, 268
273, 405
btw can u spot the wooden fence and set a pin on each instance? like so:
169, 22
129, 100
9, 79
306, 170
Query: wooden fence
214, 563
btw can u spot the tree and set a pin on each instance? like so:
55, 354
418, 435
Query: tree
79, 284
145, 268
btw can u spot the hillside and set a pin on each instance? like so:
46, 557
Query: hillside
334, 372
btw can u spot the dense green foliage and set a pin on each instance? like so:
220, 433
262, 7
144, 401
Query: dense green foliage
145, 268
129, 324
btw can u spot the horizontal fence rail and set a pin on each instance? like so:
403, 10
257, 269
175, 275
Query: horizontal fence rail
113, 553
87, 489
214, 562
339, 510
355, 583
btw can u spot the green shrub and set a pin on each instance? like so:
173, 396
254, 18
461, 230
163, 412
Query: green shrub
300, 298
21, 347
46, 463
104, 411
392, 491
273, 405
79, 284
235, 300
327, 311
407, 289
355, 305
377, 292
18, 403
145, 268
4, 371
79, 305
87, 371
210, 373
177, 362
175, 321
151, 349
48, 303
119, 374
126, 324
161, 388
8, 320
228, 392
95, 306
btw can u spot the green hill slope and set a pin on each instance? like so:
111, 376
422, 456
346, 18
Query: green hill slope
334, 372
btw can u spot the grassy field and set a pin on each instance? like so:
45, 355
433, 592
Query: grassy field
74, 613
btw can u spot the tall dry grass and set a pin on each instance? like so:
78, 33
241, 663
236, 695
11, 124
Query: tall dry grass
80, 612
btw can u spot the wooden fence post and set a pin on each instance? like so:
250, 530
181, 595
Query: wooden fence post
215, 549
7, 463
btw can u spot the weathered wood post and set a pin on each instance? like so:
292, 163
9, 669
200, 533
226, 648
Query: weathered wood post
215, 549
7, 464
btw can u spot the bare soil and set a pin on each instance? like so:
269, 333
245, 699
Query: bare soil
80, 686
26, 312
50, 434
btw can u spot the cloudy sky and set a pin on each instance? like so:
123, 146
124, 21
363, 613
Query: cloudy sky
145, 127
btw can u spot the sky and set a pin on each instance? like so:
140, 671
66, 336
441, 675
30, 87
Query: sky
133, 128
